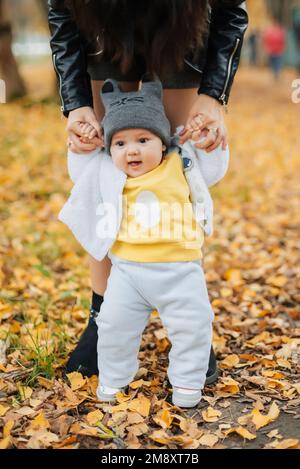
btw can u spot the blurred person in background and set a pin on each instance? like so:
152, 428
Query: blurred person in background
253, 40
274, 40
194, 47
296, 31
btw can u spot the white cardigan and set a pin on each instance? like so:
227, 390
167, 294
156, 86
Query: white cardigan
93, 212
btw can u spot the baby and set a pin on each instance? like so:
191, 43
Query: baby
155, 191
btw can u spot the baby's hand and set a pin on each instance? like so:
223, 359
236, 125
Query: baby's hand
89, 134
194, 132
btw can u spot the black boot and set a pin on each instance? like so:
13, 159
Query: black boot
212, 373
84, 356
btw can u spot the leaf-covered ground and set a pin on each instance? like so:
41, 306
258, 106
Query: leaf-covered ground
252, 266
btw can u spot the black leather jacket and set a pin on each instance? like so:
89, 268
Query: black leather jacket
216, 62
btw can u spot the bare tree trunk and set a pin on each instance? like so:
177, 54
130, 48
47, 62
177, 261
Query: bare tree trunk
8, 66
43, 4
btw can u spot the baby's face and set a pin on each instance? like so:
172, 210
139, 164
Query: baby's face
136, 151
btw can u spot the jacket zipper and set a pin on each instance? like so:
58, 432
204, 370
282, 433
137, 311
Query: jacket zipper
222, 98
60, 83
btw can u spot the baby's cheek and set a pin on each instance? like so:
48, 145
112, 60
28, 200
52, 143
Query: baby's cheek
119, 161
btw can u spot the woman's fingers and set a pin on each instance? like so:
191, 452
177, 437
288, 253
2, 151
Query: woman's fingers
198, 120
194, 124
88, 130
95, 124
205, 123
77, 146
84, 130
196, 135
212, 141
84, 137
95, 141
200, 127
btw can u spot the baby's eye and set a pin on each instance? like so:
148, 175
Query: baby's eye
119, 143
143, 140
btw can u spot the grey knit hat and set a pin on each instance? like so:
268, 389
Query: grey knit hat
134, 109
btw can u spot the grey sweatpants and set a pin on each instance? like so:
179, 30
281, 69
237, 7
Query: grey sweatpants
177, 290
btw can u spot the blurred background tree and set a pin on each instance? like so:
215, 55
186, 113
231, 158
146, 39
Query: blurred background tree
282, 10
8, 66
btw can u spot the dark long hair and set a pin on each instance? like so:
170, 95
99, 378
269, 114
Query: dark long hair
161, 31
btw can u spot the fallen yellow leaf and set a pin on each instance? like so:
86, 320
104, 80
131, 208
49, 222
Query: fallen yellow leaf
230, 361
211, 415
119, 408
89, 431
141, 405
40, 422
209, 440
297, 387
138, 429
274, 434
258, 418
5, 443
226, 292
283, 363
164, 419
272, 374
242, 432
160, 436
136, 384
8, 428
76, 380
3, 410
121, 397
234, 276
94, 417
229, 385
162, 344
189, 427
289, 443
278, 281
133, 418
46, 383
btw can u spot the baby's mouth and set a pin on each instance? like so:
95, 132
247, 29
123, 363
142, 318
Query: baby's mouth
134, 164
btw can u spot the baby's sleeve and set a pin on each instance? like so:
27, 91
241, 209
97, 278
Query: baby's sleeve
213, 165
78, 162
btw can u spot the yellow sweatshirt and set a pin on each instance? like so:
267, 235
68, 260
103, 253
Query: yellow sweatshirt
158, 223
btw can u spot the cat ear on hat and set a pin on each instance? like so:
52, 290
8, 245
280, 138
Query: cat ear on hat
152, 85
109, 91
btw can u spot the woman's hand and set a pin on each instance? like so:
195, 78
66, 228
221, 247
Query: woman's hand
83, 138
206, 119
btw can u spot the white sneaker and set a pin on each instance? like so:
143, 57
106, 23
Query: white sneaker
186, 397
107, 394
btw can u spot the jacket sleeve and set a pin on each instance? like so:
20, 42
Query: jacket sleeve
229, 21
69, 58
